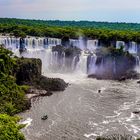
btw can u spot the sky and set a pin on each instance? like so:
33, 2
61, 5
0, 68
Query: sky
92, 10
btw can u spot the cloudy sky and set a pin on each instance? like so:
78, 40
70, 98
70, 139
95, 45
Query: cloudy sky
93, 10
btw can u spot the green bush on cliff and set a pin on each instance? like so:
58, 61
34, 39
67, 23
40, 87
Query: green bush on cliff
27, 70
12, 98
6, 62
9, 129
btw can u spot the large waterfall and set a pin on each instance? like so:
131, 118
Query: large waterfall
53, 61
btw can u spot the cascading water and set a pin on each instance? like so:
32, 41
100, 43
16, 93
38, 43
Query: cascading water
138, 64
92, 45
114, 66
92, 64
82, 64
74, 42
73, 63
54, 61
119, 44
133, 48
63, 60
81, 44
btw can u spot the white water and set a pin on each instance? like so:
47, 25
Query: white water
133, 48
138, 64
41, 48
92, 45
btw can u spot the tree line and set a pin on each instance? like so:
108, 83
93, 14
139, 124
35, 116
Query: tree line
95, 30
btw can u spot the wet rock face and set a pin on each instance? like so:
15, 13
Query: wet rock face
67, 53
121, 77
70, 52
51, 84
34, 92
136, 112
22, 45
65, 41
116, 137
27, 70
115, 64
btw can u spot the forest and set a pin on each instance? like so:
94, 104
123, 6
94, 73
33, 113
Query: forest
73, 29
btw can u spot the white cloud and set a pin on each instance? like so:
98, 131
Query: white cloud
69, 9
72, 5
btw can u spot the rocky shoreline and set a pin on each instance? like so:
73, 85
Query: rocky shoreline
34, 92
121, 77
28, 72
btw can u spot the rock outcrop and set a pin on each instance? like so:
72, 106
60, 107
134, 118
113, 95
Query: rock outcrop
67, 53
28, 72
114, 64
34, 92
51, 84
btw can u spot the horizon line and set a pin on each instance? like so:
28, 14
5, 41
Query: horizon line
119, 22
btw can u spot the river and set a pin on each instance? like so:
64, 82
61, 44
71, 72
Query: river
82, 113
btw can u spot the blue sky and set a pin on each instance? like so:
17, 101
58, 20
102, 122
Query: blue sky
93, 10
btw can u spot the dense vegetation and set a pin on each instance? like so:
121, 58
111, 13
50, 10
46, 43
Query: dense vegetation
9, 129
12, 98
96, 30
82, 24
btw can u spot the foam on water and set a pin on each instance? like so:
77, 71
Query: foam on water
27, 122
90, 135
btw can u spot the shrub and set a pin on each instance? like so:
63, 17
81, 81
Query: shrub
9, 129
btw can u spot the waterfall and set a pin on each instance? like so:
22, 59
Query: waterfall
120, 44
73, 63
53, 41
133, 48
82, 64
55, 58
138, 64
63, 60
54, 61
81, 43
74, 42
92, 64
114, 66
92, 45
137, 61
